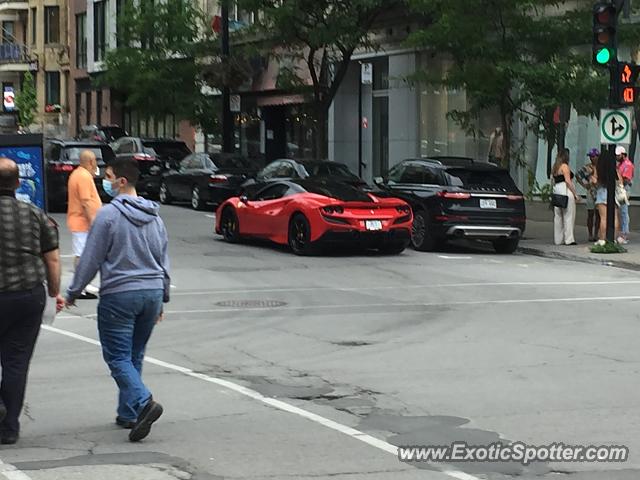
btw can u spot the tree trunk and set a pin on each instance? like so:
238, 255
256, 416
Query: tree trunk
321, 115
505, 119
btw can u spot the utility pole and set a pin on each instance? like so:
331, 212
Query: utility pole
228, 140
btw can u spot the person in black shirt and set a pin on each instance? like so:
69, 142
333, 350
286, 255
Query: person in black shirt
29, 256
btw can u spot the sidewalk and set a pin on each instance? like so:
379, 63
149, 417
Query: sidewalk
538, 240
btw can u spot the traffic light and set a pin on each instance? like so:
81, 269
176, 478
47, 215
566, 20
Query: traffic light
627, 77
605, 23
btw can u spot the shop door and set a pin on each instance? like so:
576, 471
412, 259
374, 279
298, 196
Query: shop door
380, 135
276, 132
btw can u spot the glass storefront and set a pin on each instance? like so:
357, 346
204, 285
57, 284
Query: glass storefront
440, 134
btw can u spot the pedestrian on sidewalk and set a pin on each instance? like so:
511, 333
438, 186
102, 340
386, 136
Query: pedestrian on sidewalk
626, 171
128, 244
83, 205
564, 218
584, 177
29, 255
496, 147
601, 180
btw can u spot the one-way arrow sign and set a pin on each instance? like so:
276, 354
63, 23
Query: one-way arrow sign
615, 126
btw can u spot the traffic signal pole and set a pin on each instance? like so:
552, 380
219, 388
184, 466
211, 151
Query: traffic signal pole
228, 141
610, 158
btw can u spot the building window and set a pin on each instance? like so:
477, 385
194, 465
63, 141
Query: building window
99, 31
34, 25
81, 40
52, 86
51, 25
8, 32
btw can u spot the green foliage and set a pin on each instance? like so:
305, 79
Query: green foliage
315, 40
536, 190
158, 63
27, 101
518, 57
609, 247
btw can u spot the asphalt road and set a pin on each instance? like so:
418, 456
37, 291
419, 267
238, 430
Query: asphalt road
272, 366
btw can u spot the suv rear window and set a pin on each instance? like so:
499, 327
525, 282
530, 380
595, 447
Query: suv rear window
168, 150
103, 153
481, 179
113, 133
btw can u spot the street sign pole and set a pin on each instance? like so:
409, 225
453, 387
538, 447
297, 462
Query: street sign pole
228, 142
611, 163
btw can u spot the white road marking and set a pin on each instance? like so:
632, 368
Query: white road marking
447, 257
272, 402
403, 287
210, 216
12, 473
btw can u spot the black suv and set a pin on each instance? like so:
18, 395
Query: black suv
454, 197
61, 158
154, 157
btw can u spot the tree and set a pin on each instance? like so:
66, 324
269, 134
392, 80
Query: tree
520, 57
161, 58
320, 35
27, 101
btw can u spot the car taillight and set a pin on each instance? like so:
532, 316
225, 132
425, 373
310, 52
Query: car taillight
333, 209
515, 198
144, 157
404, 209
454, 195
62, 168
218, 179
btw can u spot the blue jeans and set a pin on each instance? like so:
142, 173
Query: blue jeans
125, 323
624, 214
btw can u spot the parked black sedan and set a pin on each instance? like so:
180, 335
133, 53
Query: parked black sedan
61, 158
203, 179
289, 169
453, 197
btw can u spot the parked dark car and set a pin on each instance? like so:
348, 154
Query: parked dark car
289, 169
102, 133
206, 179
453, 197
154, 157
61, 158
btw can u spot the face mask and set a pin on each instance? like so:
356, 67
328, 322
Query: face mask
108, 188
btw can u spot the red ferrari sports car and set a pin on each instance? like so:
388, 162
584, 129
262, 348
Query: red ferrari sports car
306, 213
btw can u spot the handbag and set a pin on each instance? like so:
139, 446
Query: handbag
621, 195
560, 201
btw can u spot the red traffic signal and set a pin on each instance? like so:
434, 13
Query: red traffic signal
626, 81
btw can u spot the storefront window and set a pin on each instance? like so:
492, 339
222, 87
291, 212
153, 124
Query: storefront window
439, 133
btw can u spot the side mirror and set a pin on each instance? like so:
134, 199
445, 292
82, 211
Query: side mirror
244, 199
378, 181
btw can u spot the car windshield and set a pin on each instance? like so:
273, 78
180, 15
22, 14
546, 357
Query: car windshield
471, 178
168, 150
103, 154
337, 190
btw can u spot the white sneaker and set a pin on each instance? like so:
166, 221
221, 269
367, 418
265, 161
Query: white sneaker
600, 243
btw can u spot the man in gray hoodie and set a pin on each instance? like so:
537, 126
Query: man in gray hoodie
127, 243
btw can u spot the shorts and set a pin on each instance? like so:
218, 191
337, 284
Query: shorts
78, 242
601, 196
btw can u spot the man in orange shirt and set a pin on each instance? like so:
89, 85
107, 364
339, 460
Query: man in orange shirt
84, 203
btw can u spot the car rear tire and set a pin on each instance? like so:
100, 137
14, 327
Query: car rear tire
300, 235
229, 225
422, 237
506, 245
196, 199
165, 194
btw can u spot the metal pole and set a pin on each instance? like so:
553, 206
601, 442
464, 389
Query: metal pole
228, 140
611, 162
360, 127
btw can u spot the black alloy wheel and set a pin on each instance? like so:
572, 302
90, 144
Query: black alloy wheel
196, 198
422, 237
165, 194
506, 246
300, 235
229, 226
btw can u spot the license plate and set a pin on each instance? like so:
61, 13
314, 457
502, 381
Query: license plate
373, 225
484, 203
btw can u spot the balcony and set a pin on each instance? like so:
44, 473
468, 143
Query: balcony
12, 6
15, 57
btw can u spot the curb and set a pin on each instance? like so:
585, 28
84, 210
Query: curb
538, 252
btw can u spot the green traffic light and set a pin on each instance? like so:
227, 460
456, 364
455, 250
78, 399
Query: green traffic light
603, 56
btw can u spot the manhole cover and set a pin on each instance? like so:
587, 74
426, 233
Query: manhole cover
251, 303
